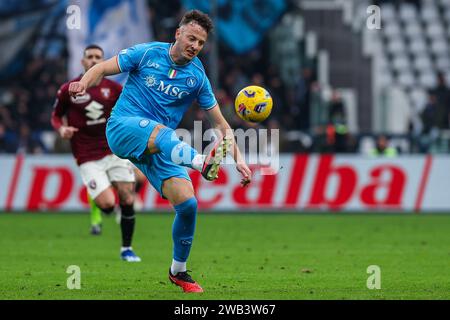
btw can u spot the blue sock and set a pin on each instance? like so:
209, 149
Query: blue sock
183, 229
173, 148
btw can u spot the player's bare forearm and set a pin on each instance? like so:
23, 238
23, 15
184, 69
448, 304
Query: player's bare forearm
97, 72
93, 76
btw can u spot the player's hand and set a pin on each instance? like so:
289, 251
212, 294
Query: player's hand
246, 173
66, 132
77, 88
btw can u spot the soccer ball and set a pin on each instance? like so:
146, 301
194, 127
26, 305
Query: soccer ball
253, 104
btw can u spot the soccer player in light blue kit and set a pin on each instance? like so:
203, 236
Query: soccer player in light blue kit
164, 80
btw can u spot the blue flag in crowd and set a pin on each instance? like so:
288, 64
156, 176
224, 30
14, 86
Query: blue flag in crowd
242, 23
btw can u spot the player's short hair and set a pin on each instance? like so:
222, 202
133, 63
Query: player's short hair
93, 46
199, 17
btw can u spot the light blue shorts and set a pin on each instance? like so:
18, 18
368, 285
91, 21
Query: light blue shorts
128, 137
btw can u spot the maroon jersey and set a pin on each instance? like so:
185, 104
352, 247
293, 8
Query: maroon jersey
89, 114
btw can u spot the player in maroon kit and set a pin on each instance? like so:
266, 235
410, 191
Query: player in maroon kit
100, 170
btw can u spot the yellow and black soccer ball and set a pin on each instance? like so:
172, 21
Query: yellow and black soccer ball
253, 104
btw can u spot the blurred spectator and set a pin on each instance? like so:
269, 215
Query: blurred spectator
430, 124
5, 144
336, 109
29, 142
302, 98
382, 148
442, 94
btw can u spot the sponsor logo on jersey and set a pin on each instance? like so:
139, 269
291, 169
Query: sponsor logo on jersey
94, 112
150, 81
81, 99
171, 90
151, 64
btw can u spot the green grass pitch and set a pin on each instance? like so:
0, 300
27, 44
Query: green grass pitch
234, 256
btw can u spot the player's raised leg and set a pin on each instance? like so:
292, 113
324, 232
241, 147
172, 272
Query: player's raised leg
180, 193
127, 220
166, 141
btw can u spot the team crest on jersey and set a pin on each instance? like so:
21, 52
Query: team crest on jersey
143, 123
105, 92
92, 184
191, 82
81, 99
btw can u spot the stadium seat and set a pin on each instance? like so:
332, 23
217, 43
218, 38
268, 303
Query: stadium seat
428, 79
422, 63
429, 12
413, 29
442, 62
401, 62
392, 30
407, 12
406, 79
435, 30
396, 46
439, 47
418, 46
388, 12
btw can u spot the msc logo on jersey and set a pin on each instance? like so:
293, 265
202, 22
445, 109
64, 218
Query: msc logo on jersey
171, 90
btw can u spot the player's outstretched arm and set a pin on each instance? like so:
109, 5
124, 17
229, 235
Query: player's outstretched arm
93, 76
217, 121
58, 118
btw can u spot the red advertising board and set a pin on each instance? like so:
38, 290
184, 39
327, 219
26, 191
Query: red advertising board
302, 182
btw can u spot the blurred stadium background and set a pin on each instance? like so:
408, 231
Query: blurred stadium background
341, 89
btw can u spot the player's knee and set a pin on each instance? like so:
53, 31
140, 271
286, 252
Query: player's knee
188, 207
106, 205
126, 194
107, 210
127, 200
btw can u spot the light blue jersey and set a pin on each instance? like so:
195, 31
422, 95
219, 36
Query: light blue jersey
159, 89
